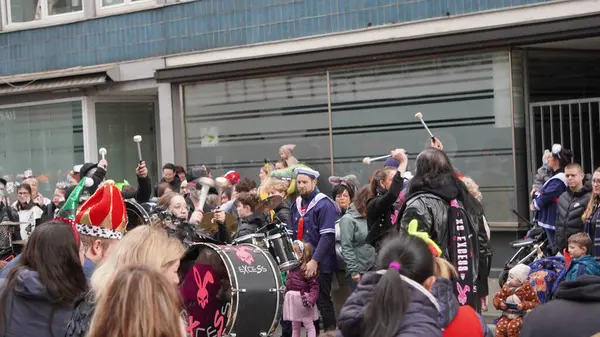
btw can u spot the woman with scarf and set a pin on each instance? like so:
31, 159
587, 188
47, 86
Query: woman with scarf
382, 206
434, 189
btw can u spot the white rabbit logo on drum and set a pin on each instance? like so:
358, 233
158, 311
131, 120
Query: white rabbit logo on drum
202, 295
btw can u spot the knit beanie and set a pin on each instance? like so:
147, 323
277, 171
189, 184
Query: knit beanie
520, 272
391, 162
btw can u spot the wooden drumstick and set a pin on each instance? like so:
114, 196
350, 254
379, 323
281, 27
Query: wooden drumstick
138, 139
419, 116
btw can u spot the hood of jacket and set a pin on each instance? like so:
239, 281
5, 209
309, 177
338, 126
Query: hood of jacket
353, 212
29, 286
422, 309
585, 289
587, 187
443, 186
443, 292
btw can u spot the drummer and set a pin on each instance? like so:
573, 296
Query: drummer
249, 220
281, 213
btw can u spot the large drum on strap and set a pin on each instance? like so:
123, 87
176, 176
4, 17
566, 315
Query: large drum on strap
222, 286
136, 214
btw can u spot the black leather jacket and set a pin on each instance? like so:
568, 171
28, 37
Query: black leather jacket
379, 211
431, 211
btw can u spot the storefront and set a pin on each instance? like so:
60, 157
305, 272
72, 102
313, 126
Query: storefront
338, 116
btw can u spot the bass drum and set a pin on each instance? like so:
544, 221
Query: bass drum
221, 286
136, 214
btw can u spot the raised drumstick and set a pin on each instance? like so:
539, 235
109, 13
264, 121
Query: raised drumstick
138, 139
368, 160
419, 116
102, 152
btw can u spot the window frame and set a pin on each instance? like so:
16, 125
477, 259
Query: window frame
126, 7
44, 20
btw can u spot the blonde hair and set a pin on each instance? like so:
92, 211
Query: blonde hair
142, 303
472, 187
591, 204
444, 269
144, 245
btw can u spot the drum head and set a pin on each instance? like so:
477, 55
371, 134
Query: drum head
136, 215
222, 284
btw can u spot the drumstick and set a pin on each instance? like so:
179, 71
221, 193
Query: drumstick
419, 116
138, 139
368, 160
102, 152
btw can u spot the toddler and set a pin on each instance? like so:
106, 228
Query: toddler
582, 262
301, 294
514, 299
543, 174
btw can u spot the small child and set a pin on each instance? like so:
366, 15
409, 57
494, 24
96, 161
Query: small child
514, 299
301, 294
543, 174
582, 263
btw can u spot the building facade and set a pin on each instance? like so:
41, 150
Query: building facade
226, 82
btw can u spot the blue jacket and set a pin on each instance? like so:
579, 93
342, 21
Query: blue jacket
420, 318
319, 228
30, 312
585, 265
545, 202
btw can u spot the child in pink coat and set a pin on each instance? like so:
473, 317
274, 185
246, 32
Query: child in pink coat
301, 294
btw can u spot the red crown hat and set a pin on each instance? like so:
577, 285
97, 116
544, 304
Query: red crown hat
103, 215
232, 176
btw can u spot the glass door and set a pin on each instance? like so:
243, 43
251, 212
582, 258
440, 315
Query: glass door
116, 124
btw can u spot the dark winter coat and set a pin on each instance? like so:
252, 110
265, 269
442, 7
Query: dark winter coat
570, 208
249, 225
573, 312
29, 309
81, 319
419, 320
296, 281
282, 211
380, 209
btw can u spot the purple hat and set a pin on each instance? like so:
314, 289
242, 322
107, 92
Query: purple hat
391, 162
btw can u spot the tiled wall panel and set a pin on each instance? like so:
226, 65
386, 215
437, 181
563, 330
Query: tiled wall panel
208, 24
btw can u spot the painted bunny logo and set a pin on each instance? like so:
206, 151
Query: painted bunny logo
462, 293
202, 295
243, 254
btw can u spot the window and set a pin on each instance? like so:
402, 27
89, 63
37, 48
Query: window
46, 139
119, 2
235, 124
32, 10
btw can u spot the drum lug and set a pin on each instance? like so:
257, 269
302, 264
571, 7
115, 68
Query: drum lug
263, 334
274, 290
238, 290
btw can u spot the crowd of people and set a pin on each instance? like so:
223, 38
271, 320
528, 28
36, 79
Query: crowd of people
414, 254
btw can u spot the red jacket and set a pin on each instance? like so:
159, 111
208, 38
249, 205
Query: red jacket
465, 320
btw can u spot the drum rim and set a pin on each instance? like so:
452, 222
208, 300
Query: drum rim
231, 319
276, 236
139, 208
249, 236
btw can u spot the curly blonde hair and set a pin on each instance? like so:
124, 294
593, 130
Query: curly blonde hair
472, 187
